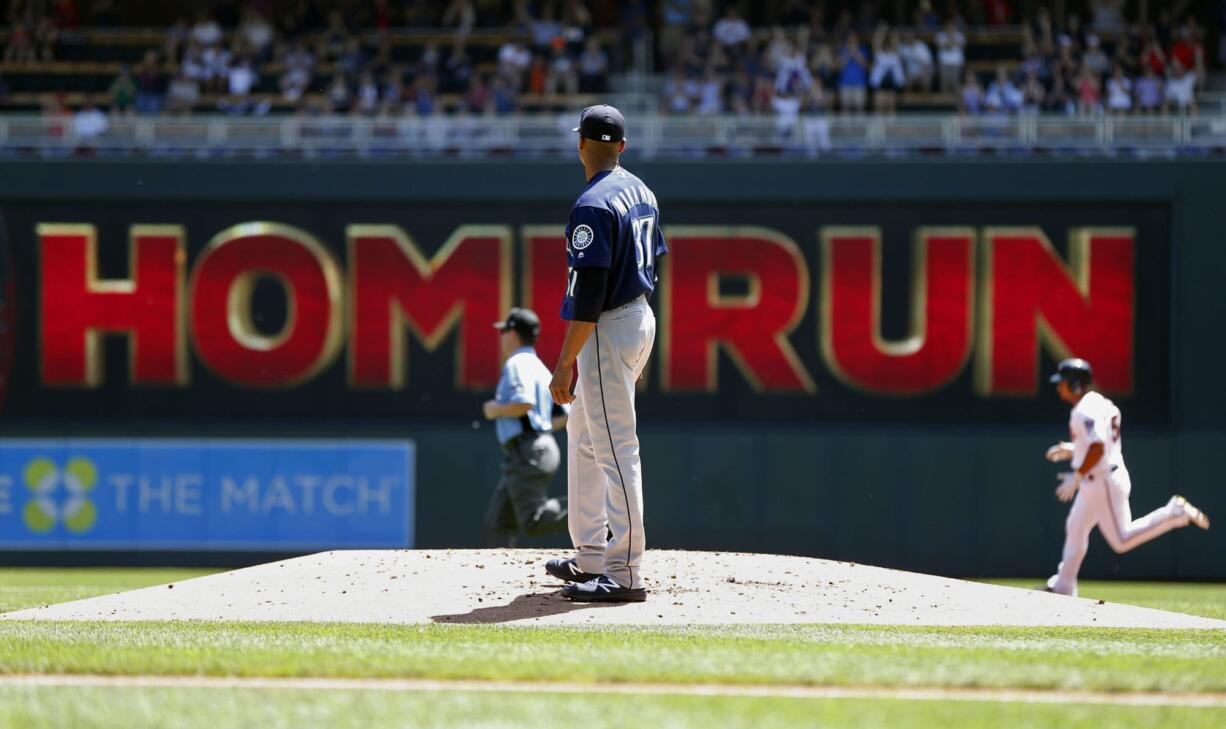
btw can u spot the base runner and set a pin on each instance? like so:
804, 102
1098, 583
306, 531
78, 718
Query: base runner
1098, 485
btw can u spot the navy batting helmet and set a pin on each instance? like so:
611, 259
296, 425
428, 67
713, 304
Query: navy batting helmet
1074, 371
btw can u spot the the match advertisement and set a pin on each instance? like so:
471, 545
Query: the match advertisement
249, 495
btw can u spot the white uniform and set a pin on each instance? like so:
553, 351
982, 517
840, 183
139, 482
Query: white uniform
1102, 499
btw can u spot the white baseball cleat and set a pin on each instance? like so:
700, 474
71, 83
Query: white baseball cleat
1196, 515
1052, 585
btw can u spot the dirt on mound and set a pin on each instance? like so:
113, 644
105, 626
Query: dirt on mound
510, 586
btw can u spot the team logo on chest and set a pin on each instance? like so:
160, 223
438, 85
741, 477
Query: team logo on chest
581, 237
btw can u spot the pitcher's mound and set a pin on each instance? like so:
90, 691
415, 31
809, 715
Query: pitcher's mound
510, 586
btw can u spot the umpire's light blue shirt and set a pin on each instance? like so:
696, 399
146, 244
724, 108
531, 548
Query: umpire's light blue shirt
525, 379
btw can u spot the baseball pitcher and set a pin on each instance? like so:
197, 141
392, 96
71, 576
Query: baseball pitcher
613, 241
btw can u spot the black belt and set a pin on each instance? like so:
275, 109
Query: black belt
1090, 477
514, 440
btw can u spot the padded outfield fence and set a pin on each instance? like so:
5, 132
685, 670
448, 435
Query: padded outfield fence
813, 448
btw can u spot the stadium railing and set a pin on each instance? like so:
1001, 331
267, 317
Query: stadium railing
649, 135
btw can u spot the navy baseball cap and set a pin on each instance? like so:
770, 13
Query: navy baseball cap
1073, 369
524, 321
602, 123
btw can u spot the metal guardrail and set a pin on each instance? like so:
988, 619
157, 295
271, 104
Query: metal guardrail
1212, 102
649, 135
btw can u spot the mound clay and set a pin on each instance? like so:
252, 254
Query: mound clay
510, 586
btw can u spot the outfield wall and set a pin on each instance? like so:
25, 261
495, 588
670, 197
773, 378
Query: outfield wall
821, 441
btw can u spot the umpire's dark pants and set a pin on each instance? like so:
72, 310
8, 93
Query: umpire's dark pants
521, 502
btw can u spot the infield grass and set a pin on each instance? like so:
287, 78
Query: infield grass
1195, 598
1045, 658
1092, 659
23, 587
274, 709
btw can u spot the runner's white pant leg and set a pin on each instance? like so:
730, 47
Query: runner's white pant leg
1077, 527
585, 506
609, 366
1124, 533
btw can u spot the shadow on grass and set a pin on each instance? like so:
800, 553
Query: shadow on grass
532, 605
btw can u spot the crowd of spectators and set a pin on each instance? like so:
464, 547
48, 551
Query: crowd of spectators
809, 63
1117, 69
785, 58
337, 57
322, 65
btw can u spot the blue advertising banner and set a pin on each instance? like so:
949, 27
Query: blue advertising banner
254, 495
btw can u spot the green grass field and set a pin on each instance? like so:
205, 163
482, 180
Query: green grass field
1206, 600
273, 709
1176, 663
30, 587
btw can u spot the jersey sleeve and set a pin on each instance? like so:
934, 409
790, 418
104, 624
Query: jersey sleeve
1098, 429
590, 241
589, 292
1095, 427
660, 244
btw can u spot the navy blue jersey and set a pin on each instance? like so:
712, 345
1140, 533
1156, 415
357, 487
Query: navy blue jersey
615, 224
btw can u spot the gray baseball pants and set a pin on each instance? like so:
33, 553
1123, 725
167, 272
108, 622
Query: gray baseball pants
604, 477
521, 502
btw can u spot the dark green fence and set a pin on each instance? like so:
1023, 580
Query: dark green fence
961, 497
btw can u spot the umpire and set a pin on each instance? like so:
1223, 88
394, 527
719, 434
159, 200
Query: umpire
522, 411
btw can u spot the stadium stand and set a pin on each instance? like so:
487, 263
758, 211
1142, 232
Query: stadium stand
995, 64
778, 67
306, 64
